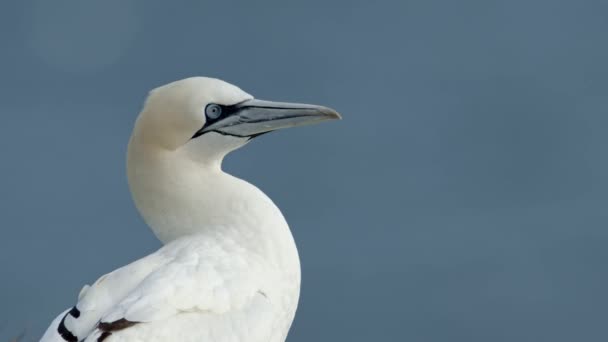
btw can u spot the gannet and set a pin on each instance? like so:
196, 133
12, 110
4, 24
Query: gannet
229, 268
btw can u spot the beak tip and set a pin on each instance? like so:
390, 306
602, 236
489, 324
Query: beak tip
331, 114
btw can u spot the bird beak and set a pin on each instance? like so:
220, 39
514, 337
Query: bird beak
254, 117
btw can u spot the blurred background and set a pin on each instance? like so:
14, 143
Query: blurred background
462, 198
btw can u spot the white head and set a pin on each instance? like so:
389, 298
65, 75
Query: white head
179, 140
214, 115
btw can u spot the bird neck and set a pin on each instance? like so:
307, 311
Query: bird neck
181, 196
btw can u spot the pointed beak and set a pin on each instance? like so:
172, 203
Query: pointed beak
254, 117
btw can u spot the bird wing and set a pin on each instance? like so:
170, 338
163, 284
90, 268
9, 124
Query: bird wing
95, 300
190, 275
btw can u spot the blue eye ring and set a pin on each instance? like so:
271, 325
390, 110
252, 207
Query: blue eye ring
213, 111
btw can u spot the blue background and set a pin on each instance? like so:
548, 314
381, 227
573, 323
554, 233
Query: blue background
462, 198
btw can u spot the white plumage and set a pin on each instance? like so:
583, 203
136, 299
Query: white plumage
229, 269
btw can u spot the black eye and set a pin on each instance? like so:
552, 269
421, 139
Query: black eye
213, 111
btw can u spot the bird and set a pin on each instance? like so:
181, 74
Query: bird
228, 269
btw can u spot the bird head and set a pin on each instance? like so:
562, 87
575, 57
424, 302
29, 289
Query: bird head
214, 117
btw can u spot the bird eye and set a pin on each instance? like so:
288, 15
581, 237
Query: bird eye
213, 111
